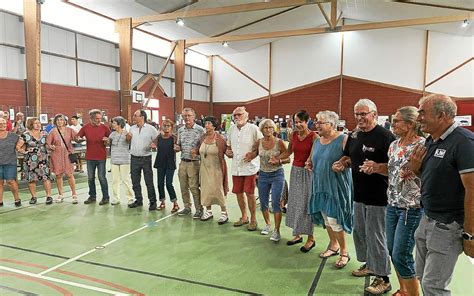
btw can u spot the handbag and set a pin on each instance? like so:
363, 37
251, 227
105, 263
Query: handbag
72, 157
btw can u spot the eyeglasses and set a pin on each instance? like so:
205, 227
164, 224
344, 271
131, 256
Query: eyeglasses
321, 122
362, 114
238, 114
166, 125
394, 121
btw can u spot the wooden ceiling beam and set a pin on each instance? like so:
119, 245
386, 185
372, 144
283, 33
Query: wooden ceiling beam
435, 5
325, 15
137, 21
333, 14
344, 28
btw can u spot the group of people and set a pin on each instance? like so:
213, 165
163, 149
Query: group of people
393, 191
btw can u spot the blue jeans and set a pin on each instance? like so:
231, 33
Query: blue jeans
400, 228
100, 165
274, 181
166, 175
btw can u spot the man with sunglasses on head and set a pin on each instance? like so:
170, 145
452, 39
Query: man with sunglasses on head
366, 153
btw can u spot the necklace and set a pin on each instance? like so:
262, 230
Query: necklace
206, 145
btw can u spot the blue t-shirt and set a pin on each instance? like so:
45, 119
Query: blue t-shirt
442, 191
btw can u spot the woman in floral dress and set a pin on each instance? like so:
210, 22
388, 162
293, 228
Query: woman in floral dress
35, 164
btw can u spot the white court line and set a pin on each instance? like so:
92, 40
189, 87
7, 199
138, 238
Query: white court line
106, 244
51, 279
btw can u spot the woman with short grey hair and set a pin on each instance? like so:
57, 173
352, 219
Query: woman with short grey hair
332, 195
120, 160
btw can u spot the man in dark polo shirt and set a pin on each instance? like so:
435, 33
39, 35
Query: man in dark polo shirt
96, 154
366, 153
446, 164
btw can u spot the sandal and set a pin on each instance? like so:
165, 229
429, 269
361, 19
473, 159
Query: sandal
59, 198
400, 293
74, 199
33, 200
340, 264
175, 208
332, 253
161, 206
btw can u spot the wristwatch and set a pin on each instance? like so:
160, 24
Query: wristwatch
467, 236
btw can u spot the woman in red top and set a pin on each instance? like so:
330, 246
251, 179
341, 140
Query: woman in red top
297, 217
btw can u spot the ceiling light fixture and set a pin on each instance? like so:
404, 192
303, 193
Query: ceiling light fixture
180, 21
225, 44
465, 23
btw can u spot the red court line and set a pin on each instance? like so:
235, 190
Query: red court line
43, 282
119, 287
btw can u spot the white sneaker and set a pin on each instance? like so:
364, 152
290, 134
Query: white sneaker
206, 215
223, 218
275, 236
266, 230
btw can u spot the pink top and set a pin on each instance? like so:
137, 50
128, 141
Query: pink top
60, 163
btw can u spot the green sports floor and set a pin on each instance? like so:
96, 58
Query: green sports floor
66, 249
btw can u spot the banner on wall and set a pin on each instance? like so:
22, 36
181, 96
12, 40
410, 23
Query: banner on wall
227, 118
463, 120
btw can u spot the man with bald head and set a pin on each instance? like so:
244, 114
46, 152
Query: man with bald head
446, 165
242, 136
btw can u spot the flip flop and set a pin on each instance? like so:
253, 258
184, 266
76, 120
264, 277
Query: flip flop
334, 253
340, 264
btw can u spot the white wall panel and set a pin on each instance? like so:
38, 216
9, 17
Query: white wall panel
138, 61
57, 40
254, 63
167, 86
58, 70
458, 84
200, 76
187, 73
155, 64
187, 91
200, 93
96, 50
302, 60
445, 52
12, 63
135, 77
393, 56
96, 76
230, 86
11, 29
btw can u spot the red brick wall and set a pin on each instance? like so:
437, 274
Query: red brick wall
12, 93
201, 108
324, 96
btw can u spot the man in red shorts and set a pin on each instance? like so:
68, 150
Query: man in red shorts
241, 139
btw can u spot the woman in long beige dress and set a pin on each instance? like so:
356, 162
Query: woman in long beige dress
213, 171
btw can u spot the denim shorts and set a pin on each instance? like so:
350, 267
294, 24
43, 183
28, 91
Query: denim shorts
400, 229
8, 172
